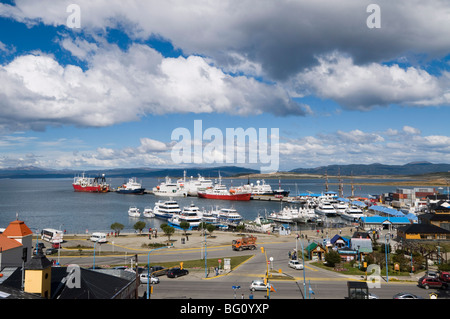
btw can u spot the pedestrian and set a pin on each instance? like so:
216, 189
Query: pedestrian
250, 296
242, 297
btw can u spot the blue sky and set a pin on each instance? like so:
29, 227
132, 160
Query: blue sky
110, 93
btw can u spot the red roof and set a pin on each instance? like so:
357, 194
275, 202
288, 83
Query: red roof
17, 228
8, 243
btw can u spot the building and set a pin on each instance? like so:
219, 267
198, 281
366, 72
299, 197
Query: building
440, 216
384, 222
315, 251
16, 244
423, 232
43, 281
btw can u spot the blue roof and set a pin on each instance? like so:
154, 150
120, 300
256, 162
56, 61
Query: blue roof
381, 219
387, 210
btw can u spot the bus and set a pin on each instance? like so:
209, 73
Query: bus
98, 237
52, 235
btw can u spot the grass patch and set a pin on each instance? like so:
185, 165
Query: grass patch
200, 263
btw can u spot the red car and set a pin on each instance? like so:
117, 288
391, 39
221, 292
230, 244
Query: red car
444, 276
428, 282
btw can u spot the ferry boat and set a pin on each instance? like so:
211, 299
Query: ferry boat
131, 187
133, 211
169, 188
166, 209
352, 213
190, 214
220, 191
90, 184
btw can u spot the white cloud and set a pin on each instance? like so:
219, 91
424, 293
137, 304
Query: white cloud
365, 86
120, 86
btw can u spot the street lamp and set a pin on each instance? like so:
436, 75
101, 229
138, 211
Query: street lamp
267, 273
386, 253
148, 270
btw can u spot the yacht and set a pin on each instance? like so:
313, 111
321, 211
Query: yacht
148, 212
227, 215
307, 215
190, 214
166, 209
326, 209
170, 189
353, 213
340, 207
286, 215
133, 211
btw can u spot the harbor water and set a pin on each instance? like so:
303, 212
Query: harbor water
52, 203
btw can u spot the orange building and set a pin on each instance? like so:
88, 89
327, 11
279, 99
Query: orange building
16, 244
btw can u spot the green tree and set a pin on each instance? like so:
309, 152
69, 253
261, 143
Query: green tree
140, 225
168, 230
240, 227
185, 226
332, 258
210, 228
117, 227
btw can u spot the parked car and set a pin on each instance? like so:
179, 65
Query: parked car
259, 285
431, 274
406, 295
428, 282
158, 270
51, 251
444, 276
144, 279
176, 272
361, 294
295, 264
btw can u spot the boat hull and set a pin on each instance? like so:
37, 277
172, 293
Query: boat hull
243, 196
139, 191
91, 189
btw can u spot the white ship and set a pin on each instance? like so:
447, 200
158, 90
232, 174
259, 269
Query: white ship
148, 212
133, 211
190, 214
286, 215
352, 213
193, 186
170, 189
326, 209
166, 209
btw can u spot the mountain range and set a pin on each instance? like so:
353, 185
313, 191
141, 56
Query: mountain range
415, 168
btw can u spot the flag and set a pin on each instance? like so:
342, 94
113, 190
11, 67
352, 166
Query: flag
272, 288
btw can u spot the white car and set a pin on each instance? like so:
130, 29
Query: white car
144, 279
295, 264
259, 285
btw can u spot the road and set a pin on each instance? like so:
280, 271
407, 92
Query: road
324, 284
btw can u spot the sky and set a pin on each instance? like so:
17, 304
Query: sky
105, 84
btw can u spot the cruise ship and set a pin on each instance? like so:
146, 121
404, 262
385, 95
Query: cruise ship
170, 189
193, 186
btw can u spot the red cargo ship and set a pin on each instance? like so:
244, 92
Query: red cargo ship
90, 184
220, 191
